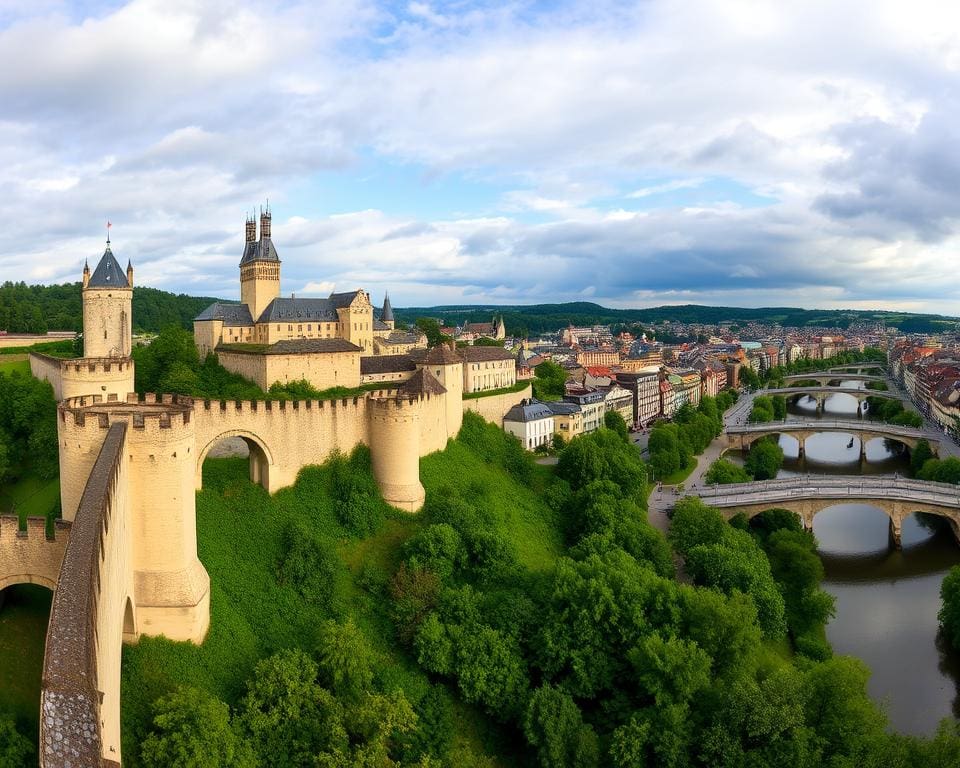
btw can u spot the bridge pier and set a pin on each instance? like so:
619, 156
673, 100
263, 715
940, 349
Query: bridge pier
895, 530
863, 449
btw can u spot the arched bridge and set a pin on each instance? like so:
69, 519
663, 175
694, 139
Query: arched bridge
858, 367
823, 378
742, 436
807, 495
820, 393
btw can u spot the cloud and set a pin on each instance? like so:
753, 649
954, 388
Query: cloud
491, 151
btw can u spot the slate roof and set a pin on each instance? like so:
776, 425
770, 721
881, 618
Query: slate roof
379, 325
422, 383
231, 314
387, 312
299, 310
561, 408
484, 354
108, 273
528, 410
438, 355
260, 250
341, 300
371, 364
293, 347
402, 337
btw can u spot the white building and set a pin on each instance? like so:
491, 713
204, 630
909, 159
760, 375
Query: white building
531, 421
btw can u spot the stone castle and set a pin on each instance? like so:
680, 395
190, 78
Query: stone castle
123, 559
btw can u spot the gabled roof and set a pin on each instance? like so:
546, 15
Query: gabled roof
484, 354
438, 355
230, 314
260, 250
298, 310
422, 383
108, 273
379, 325
341, 300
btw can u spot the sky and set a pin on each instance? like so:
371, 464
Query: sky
732, 152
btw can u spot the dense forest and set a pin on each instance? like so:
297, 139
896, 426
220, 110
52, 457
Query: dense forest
41, 308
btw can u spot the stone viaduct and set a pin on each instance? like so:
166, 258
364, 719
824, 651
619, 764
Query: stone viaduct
806, 496
742, 436
823, 378
821, 392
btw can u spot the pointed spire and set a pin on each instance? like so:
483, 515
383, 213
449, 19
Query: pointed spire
387, 314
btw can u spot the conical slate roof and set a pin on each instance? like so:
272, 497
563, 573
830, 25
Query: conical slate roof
387, 314
108, 273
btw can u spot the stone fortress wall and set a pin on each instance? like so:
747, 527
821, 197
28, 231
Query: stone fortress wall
84, 376
29, 556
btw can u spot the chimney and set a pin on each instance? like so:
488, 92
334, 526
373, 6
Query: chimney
265, 224
251, 229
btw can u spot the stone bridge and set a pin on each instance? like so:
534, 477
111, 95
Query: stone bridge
858, 367
821, 393
742, 436
807, 495
823, 378
92, 614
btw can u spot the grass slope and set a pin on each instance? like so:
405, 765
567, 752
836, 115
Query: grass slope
239, 529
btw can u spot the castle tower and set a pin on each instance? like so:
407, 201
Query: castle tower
395, 450
386, 314
107, 308
446, 366
259, 267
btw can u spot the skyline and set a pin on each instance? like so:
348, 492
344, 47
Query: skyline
737, 153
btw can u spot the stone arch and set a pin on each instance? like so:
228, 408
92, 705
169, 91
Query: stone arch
130, 634
261, 457
28, 578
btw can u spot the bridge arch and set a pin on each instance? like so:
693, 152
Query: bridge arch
261, 457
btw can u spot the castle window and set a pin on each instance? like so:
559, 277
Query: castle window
309, 327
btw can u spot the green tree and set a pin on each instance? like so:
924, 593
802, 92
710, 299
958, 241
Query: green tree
344, 659
554, 727
550, 382
724, 472
613, 421
950, 607
693, 524
16, 750
921, 452
192, 729
764, 460
431, 329
779, 407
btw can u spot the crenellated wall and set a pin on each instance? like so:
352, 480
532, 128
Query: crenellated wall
105, 376
29, 556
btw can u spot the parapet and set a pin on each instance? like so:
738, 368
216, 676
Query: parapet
36, 527
149, 411
270, 406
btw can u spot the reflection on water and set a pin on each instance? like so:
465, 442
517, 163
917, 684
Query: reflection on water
887, 603
887, 600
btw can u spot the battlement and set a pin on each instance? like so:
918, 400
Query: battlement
36, 528
259, 406
82, 365
149, 411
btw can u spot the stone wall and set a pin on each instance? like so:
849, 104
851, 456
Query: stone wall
80, 695
106, 376
107, 318
323, 370
494, 407
29, 557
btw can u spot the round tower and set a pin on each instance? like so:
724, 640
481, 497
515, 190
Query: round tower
395, 450
107, 308
171, 586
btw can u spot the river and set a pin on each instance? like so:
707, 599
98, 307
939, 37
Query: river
887, 600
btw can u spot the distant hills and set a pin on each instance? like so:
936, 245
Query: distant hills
39, 308
542, 318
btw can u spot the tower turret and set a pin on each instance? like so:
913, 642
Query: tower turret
259, 267
86, 273
107, 308
386, 314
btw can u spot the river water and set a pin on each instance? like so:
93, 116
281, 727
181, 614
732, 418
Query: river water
887, 600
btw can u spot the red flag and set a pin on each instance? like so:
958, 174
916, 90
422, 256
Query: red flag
108, 225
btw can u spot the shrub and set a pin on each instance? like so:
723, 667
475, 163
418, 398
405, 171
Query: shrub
438, 548
308, 564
